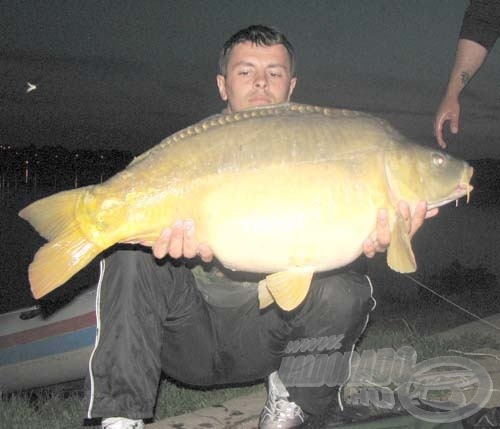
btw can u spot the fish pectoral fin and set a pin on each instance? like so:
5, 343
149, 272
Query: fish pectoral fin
265, 298
287, 288
400, 255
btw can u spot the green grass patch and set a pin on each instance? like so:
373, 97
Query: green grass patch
174, 400
49, 409
377, 337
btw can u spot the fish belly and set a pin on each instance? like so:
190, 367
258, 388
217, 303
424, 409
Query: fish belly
283, 217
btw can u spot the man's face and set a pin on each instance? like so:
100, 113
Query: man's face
256, 75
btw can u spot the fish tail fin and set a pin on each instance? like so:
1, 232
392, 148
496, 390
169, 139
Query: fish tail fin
56, 262
52, 215
68, 250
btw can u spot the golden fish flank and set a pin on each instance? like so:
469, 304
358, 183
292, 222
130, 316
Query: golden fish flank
299, 185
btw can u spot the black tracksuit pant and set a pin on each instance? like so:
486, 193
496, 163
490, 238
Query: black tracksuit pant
152, 317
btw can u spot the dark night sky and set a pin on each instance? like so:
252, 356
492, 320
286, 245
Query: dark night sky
125, 74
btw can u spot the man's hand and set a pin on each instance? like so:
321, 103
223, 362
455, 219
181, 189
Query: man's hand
179, 241
383, 233
449, 110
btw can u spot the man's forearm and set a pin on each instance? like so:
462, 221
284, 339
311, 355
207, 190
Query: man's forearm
469, 58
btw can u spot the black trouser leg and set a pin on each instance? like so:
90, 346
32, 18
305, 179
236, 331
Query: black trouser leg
337, 308
135, 298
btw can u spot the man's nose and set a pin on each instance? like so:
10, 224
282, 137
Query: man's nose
260, 80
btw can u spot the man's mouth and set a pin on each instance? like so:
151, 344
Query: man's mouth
260, 99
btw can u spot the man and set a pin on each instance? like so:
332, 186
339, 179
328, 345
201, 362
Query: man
479, 32
202, 325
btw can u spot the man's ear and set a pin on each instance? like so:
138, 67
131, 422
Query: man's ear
293, 82
221, 84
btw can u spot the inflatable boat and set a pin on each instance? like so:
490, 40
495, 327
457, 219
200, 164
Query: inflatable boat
39, 351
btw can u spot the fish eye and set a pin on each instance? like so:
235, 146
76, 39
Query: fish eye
438, 159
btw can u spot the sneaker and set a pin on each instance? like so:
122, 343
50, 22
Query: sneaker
121, 423
279, 412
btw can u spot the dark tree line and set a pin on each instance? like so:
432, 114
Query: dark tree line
54, 167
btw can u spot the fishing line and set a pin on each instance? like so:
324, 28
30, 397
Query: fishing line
451, 302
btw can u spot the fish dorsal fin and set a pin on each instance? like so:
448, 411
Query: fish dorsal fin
287, 288
400, 255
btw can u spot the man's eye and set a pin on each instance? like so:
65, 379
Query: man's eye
275, 74
243, 72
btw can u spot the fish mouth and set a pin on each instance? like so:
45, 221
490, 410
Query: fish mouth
463, 189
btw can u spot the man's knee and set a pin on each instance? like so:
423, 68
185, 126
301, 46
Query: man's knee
336, 306
136, 267
344, 292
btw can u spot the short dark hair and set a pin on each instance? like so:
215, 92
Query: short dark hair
259, 35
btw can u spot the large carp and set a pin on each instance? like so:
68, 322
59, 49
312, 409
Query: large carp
288, 190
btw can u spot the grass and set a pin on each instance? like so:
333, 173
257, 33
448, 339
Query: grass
56, 410
174, 400
49, 410
377, 337
426, 348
